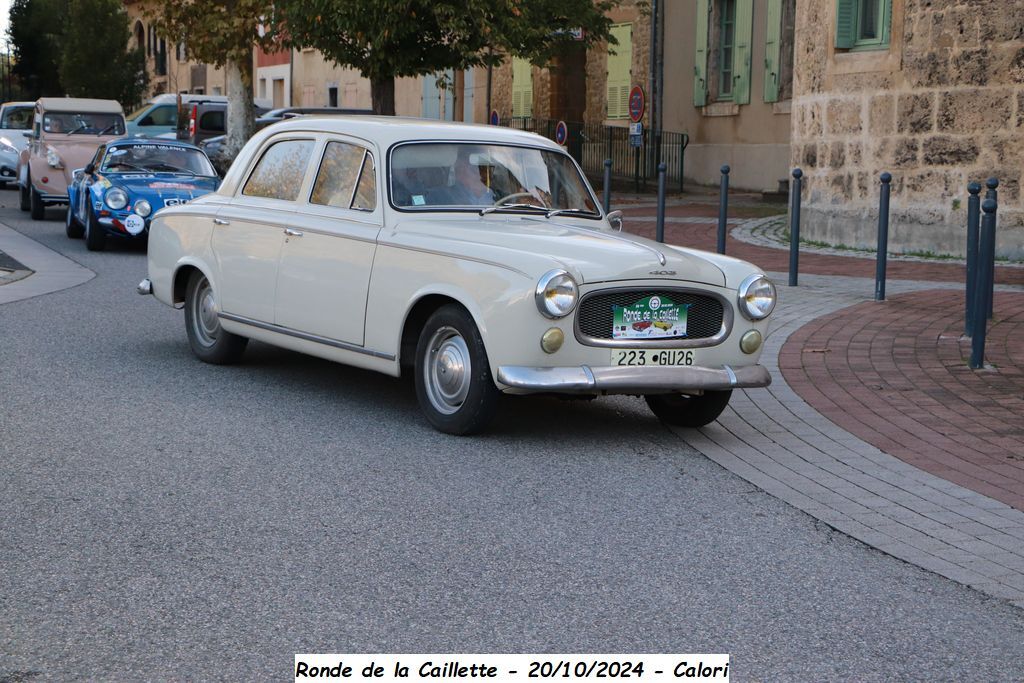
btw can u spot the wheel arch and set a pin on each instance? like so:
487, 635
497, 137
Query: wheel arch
179, 280
416, 317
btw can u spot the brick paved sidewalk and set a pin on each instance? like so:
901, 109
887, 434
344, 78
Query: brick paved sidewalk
895, 374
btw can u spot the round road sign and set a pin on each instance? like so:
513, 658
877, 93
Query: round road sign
561, 133
637, 103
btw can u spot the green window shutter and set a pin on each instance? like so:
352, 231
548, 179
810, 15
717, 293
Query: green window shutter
886, 21
846, 23
700, 63
522, 87
619, 66
742, 54
772, 40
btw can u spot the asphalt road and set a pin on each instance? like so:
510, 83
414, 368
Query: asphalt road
166, 519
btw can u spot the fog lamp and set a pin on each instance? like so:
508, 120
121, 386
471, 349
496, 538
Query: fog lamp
552, 340
750, 342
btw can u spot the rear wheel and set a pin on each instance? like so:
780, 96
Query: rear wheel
36, 207
689, 411
72, 226
209, 341
453, 376
95, 237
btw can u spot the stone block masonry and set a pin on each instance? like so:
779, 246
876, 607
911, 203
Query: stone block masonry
940, 106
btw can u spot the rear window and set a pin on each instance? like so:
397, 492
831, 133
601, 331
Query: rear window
212, 120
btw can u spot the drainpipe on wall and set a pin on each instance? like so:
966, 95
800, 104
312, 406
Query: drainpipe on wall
652, 88
291, 77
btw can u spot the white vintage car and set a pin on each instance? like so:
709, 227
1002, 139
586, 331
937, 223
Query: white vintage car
476, 257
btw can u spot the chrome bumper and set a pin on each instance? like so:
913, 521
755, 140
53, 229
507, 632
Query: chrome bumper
631, 380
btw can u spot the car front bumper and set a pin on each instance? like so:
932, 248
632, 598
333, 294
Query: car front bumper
630, 380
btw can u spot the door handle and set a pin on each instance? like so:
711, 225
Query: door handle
221, 221
292, 232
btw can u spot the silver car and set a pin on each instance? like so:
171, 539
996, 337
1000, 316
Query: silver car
15, 119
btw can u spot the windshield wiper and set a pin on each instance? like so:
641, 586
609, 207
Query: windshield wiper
127, 165
81, 127
174, 169
492, 209
113, 125
559, 212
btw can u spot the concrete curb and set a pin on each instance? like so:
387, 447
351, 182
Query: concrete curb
53, 272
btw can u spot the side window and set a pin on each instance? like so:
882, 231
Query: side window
346, 178
280, 171
163, 116
18, 118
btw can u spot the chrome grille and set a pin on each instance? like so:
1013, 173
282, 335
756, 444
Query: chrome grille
595, 315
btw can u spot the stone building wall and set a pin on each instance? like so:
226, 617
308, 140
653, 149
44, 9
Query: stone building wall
943, 106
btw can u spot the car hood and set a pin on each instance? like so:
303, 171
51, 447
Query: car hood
75, 150
533, 242
162, 184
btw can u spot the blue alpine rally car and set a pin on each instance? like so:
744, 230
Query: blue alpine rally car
128, 181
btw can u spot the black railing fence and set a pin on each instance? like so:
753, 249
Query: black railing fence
591, 143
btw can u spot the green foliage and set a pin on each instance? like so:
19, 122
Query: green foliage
97, 31
385, 39
36, 31
217, 31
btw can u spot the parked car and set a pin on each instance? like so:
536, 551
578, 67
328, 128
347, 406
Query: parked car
15, 119
476, 258
160, 114
207, 120
128, 181
65, 134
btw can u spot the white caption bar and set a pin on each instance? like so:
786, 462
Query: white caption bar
520, 668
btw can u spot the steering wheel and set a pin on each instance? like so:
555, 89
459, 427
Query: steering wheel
514, 197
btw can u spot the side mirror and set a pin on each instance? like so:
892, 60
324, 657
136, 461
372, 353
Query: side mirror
28, 134
89, 169
615, 220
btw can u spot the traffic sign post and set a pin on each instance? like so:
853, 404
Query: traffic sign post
636, 135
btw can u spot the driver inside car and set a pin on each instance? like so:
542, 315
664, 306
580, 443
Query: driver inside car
467, 187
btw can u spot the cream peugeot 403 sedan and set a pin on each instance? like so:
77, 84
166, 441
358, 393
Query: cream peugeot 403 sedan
475, 257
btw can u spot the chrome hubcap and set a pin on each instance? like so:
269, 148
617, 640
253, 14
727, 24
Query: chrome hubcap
447, 370
204, 314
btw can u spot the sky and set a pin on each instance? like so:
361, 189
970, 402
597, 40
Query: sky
5, 12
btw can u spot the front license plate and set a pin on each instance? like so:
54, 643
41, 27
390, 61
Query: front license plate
656, 357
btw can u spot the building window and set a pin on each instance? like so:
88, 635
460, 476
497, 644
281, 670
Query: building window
778, 50
863, 24
522, 88
332, 96
620, 72
723, 51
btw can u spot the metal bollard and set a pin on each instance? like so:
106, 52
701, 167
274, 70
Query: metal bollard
794, 227
882, 255
993, 194
723, 208
982, 294
661, 202
973, 225
607, 185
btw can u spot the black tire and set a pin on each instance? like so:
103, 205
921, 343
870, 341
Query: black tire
23, 198
72, 226
36, 207
209, 341
689, 411
453, 399
95, 235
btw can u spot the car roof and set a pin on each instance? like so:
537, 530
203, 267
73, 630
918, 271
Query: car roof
389, 130
80, 104
166, 97
18, 104
137, 140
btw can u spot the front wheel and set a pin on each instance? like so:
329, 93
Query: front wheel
72, 226
689, 411
95, 236
23, 197
36, 207
453, 376
209, 342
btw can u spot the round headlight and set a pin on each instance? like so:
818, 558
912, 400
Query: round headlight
143, 208
52, 158
757, 297
116, 198
556, 294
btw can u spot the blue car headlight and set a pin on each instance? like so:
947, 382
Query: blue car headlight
116, 198
143, 208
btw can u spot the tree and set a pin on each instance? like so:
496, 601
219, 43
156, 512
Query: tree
97, 33
36, 31
224, 33
385, 39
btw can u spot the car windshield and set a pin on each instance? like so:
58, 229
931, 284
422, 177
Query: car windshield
17, 118
91, 123
480, 175
156, 158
